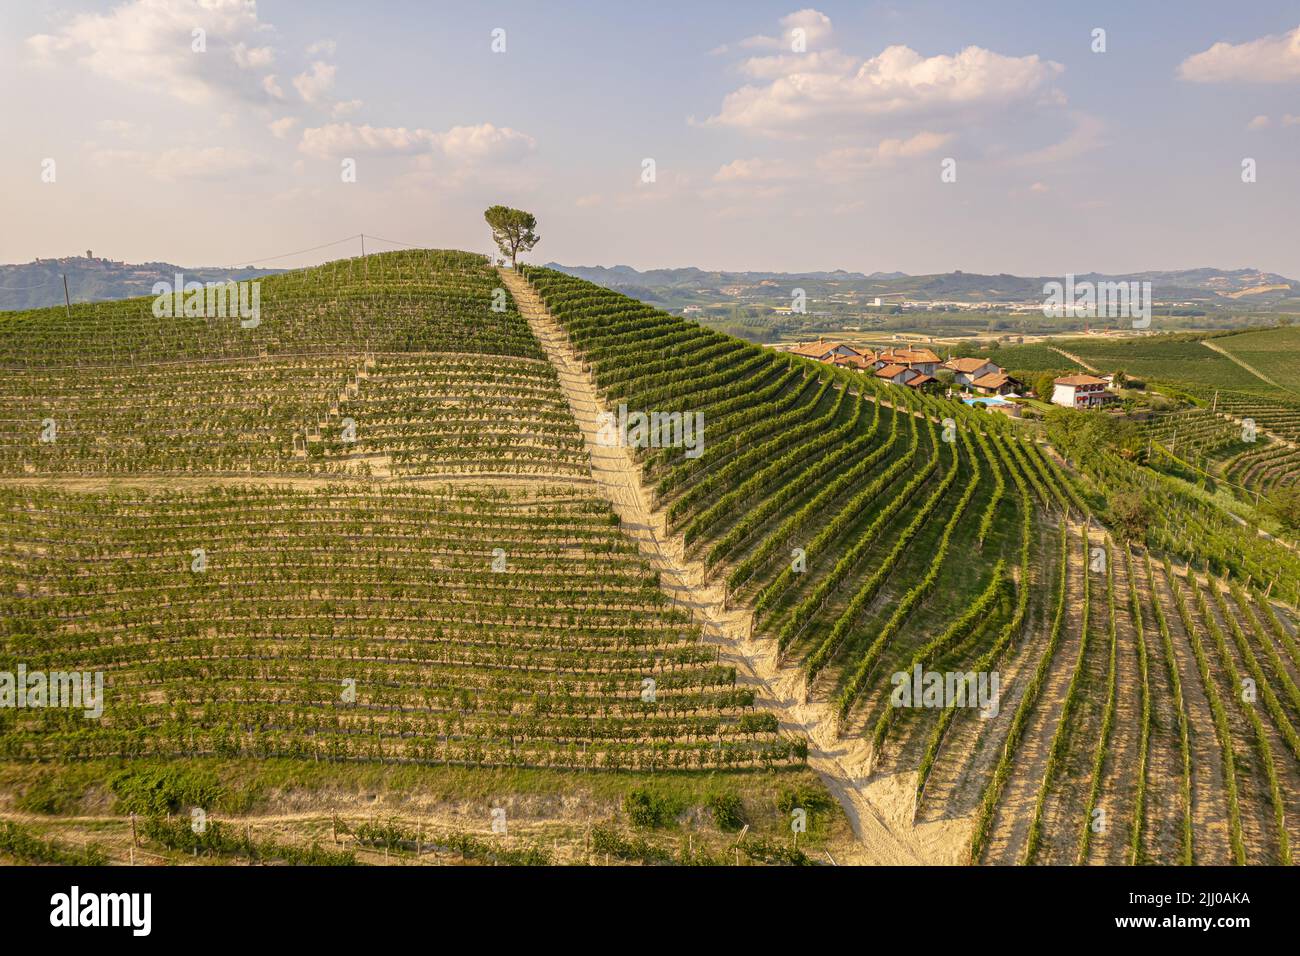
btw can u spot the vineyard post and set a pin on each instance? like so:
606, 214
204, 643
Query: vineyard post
134, 841
67, 303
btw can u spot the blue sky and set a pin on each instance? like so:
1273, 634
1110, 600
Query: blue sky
765, 156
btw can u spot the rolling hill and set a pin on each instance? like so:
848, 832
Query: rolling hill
384, 534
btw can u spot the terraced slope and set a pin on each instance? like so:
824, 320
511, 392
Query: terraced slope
424, 540
850, 529
475, 627
362, 532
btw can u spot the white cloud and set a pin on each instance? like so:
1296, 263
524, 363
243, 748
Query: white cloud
253, 58
345, 108
816, 27
283, 126
148, 44
272, 87
797, 94
316, 82
1290, 119
804, 64
1270, 59
888, 151
752, 171
1259, 122
184, 162
460, 144
345, 139
322, 48
485, 143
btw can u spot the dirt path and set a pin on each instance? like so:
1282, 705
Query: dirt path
880, 809
194, 483
1249, 368
1075, 359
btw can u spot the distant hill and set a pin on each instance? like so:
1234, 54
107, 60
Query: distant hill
34, 285
1235, 288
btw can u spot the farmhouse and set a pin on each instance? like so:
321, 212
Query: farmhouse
1081, 391
966, 370
861, 363
898, 375
996, 383
825, 351
919, 360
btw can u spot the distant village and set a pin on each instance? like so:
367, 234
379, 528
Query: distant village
986, 382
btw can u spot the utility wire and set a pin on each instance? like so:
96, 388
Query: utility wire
299, 252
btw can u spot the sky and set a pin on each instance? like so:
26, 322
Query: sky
870, 136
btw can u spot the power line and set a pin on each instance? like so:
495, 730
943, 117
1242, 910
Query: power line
414, 245
299, 252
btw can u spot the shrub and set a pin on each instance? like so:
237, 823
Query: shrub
163, 789
728, 811
648, 809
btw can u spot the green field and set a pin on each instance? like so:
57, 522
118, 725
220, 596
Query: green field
1273, 352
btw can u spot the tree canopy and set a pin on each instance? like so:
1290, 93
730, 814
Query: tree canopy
512, 230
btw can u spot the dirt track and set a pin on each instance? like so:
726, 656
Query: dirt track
880, 809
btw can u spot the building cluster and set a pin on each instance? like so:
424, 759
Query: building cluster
913, 367
916, 367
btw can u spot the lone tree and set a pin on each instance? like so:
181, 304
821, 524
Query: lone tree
512, 230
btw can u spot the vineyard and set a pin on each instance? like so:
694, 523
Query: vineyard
870, 544
1168, 359
474, 627
387, 549
1032, 358
380, 535
1271, 352
419, 301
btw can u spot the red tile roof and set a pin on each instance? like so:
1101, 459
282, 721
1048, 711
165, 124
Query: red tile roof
991, 380
967, 364
1078, 380
818, 349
